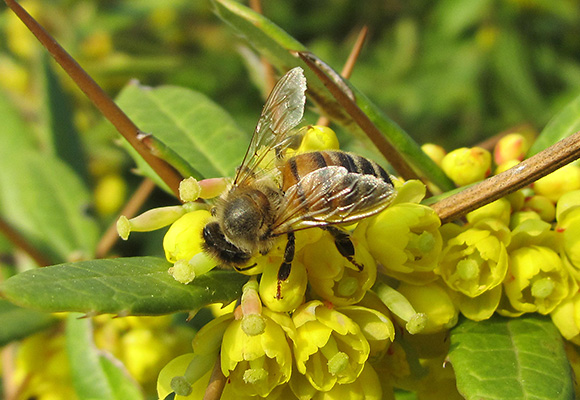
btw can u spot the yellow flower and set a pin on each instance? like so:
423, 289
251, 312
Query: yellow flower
476, 259
536, 279
255, 365
405, 239
329, 347
332, 276
366, 387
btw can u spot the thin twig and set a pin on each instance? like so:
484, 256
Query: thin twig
526, 172
132, 207
217, 382
97, 95
19, 241
349, 65
362, 120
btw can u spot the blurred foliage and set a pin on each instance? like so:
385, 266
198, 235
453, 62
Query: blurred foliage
452, 72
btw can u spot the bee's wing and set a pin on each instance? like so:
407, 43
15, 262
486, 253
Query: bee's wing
331, 195
281, 113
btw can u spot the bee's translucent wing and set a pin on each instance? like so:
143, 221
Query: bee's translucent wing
281, 113
332, 195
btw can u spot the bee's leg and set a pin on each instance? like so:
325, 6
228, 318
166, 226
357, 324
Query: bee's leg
285, 268
343, 244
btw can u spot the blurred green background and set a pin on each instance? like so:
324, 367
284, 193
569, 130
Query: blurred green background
452, 72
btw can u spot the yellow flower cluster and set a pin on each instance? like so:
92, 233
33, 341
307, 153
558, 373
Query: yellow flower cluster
325, 330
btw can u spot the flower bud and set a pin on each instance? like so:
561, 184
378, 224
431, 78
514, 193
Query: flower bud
520, 217
563, 180
433, 301
536, 280
110, 193
505, 166
465, 166
541, 205
434, 151
318, 138
405, 238
513, 146
499, 209
516, 200
329, 347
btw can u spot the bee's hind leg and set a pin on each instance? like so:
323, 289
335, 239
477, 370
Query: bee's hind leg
286, 267
344, 245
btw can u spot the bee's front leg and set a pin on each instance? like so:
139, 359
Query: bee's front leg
344, 245
286, 267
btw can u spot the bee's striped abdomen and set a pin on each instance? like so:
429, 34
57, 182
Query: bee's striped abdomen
300, 165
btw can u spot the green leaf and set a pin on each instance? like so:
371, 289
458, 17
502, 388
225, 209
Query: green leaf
125, 286
563, 124
18, 323
95, 374
194, 127
275, 44
61, 135
47, 203
16, 134
519, 358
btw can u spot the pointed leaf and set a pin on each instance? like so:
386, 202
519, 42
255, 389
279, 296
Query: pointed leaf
95, 375
126, 286
519, 358
563, 124
17, 323
275, 44
190, 124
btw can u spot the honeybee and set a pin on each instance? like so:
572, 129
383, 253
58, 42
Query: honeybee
273, 195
